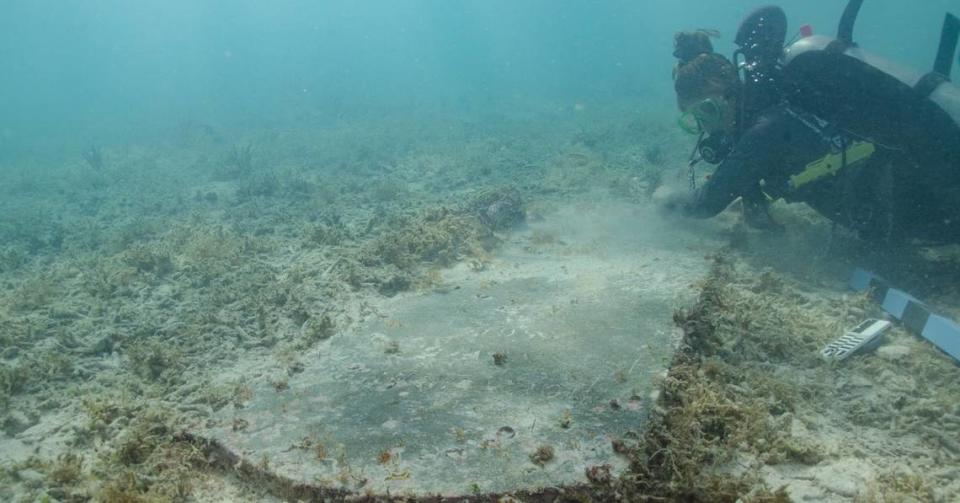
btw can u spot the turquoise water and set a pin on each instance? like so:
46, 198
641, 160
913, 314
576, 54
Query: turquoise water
75, 71
213, 213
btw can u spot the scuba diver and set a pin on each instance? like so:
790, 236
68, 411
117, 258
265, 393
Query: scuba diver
866, 144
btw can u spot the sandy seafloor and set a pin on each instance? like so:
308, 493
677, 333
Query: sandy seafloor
136, 292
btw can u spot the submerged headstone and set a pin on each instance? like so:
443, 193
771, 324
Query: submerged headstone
516, 376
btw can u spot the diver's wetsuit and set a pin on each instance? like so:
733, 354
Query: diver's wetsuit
882, 196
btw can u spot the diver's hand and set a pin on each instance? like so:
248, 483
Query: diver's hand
757, 216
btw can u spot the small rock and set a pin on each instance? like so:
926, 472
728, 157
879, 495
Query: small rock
842, 487
859, 381
893, 352
500, 210
599, 474
543, 455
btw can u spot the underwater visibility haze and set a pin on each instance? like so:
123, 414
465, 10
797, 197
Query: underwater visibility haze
424, 249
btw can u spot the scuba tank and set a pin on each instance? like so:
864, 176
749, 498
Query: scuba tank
868, 96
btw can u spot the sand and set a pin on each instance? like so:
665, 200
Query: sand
163, 289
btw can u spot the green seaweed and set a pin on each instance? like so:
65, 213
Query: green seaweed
154, 359
154, 259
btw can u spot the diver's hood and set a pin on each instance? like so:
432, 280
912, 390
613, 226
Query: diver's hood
762, 34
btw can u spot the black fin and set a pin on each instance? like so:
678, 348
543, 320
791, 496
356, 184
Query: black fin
849, 18
948, 45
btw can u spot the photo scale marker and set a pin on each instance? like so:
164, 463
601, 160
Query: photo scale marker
916, 316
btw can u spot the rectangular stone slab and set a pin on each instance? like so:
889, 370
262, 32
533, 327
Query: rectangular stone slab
455, 390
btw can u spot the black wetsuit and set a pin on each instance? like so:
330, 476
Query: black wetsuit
883, 196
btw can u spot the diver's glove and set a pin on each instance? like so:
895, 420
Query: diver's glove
757, 216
